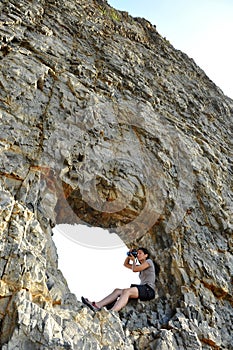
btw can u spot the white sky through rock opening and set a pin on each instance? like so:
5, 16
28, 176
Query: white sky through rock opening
91, 260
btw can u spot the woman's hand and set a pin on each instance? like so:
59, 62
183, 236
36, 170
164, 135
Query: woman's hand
132, 257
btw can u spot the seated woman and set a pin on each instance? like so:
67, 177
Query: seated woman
143, 291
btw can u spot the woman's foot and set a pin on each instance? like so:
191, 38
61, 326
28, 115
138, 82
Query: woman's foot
91, 304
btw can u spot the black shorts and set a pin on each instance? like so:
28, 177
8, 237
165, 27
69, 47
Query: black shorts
145, 292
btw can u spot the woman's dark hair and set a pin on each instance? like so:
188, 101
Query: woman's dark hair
145, 251
157, 267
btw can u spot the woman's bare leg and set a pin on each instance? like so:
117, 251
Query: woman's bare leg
124, 297
110, 298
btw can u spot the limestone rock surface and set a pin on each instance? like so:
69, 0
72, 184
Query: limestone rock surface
104, 122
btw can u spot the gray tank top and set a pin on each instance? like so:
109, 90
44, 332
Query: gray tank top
147, 276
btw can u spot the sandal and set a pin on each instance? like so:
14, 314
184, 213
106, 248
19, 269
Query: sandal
91, 305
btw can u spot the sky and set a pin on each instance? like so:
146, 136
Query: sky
91, 259
201, 28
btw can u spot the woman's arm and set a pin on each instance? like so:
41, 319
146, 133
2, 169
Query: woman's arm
141, 267
126, 262
133, 266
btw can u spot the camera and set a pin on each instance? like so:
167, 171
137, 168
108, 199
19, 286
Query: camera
133, 252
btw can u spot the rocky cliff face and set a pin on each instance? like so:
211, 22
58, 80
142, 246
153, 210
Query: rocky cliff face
103, 122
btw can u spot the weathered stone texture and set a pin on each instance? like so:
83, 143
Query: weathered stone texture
104, 122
